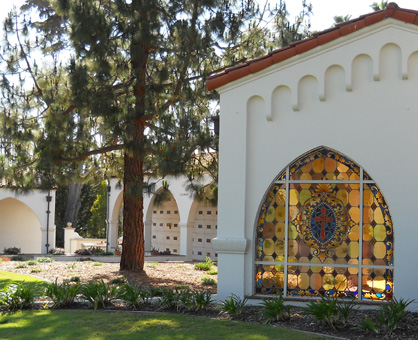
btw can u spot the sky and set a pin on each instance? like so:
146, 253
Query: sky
323, 10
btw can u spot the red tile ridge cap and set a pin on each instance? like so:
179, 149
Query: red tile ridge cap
252, 66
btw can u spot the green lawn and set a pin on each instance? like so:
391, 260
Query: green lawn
91, 325
97, 325
6, 278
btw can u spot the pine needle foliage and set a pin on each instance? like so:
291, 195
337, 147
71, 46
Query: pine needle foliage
98, 88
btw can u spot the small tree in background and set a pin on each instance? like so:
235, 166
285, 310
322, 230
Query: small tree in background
97, 223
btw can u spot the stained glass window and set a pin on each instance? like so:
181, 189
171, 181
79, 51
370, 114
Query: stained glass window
324, 229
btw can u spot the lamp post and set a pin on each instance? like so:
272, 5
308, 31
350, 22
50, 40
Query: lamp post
107, 215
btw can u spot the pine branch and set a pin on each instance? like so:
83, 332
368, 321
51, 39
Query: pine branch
25, 56
92, 153
186, 62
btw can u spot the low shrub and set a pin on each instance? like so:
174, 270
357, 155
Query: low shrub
205, 266
84, 259
389, 317
331, 311
11, 251
201, 300
21, 266
132, 295
274, 309
99, 294
233, 306
213, 271
83, 252
57, 251
208, 281
97, 251
117, 281
45, 259
17, 258
18, 296
75, 279
32, 262
97, 264
36, 270
62, 295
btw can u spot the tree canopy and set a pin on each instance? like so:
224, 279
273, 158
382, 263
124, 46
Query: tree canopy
97, 88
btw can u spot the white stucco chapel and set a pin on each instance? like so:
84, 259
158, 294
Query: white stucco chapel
317, 175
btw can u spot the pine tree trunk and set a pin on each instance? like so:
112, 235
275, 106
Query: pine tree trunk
133, 251
133, 211
73, 204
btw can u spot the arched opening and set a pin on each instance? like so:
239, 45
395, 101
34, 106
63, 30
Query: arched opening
324, 229
19, 227
205, 228
165, 229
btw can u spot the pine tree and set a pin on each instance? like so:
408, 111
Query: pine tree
118, 87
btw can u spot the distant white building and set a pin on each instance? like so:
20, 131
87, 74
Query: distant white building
27, 221
325, 138
181, 225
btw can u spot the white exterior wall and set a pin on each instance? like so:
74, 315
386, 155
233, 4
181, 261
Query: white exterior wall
356, 95
24, 221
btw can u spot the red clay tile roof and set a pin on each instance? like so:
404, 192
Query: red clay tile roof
252, 66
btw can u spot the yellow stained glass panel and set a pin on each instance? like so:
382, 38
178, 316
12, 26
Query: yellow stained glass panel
354, 233
293, 197
328, 281
318, 165
268, 247
270, 214
293, 247
303, 281
281, 197
353, 249
355, 214
354, 197
279, 280
379, 284
379, 250
367, 232
378, 216
279, 247
380, 232
340, 282
280, 230
342, 195
330, 165
315, 281
293, 233
342, 250
280, 214
304, 196
368, 198
267, 279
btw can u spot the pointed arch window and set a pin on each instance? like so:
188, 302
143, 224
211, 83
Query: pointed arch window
324, 229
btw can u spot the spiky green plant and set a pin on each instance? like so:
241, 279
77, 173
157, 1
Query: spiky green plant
233, 306
275, 310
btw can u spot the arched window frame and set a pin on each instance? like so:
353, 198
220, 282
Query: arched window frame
284, 179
